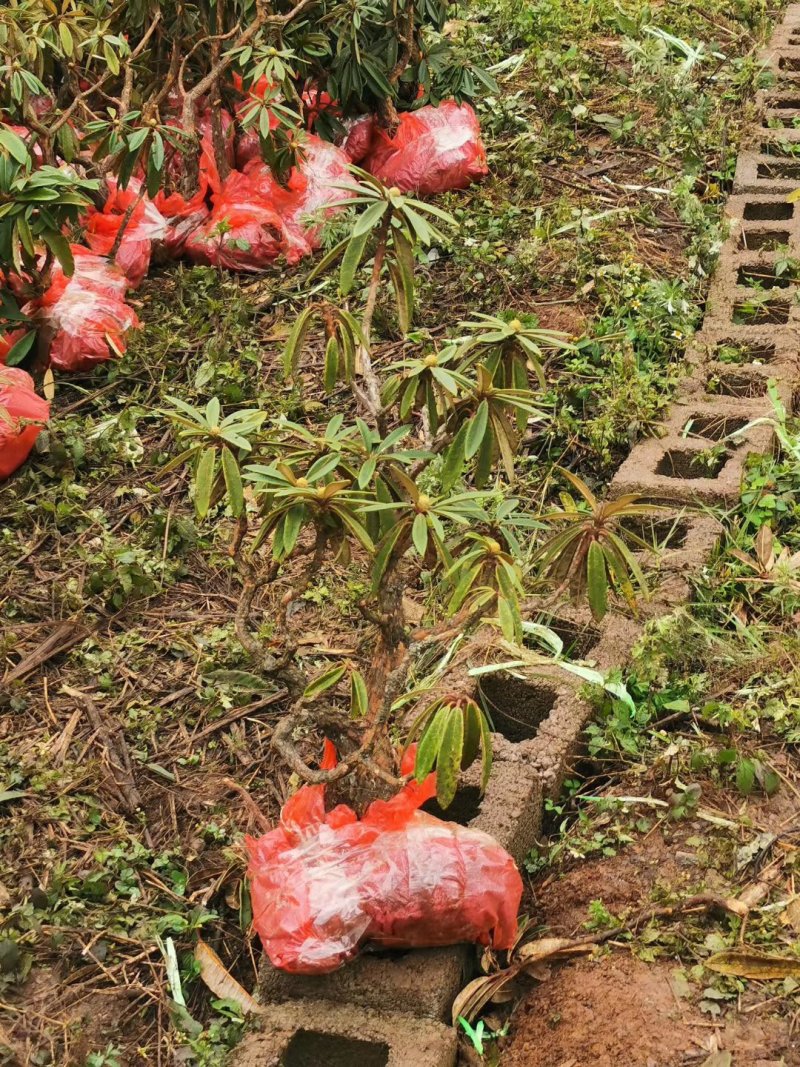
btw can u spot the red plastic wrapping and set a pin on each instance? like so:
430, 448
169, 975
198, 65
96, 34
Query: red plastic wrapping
254, 234
145, 225
358, 139
184, 217
22, 416
263, 219
322, 884
85, 314
433, 150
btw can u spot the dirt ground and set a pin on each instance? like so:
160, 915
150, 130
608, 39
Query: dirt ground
646, 1001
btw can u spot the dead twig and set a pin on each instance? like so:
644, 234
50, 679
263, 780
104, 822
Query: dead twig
63, 637
119, 759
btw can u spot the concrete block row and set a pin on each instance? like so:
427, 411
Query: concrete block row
768, 161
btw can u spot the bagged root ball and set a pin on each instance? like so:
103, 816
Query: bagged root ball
183, 217
433, 150
324, 883
23, 414
85, 315
145, 225
255, 219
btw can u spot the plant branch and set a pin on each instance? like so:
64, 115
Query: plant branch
280, 667
126, 218
65, 116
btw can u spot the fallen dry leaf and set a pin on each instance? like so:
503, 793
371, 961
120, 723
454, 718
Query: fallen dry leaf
551, 947
530, 959
718, 1059
220, 981
790, 916
746, 963
479, 992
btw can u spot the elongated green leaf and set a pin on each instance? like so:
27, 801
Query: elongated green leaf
322, 467
430, 743
454, 457
359, 698
60, 248
292, 524
181, 458
419, 534
405, 297
294, 343
20, 349
486, 750
213, 411
483, 466
596, 581
630, 560
385, 553
507, 621
369, 219
350, 262
253, 683
204, 482
328, 259
358, 531
476, 430
25, 235
425, 233
448, 764
404, 252
472, 734
331, 372
503, 435
13, 144
324, 681
233, 482
465, 584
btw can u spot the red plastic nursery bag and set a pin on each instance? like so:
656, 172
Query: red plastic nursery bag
262, 219
208, 177
433, 150
145, 225
184, 217
322, 884
85, 314
22, 416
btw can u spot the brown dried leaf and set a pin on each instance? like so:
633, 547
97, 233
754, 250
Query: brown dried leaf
718, 1059
220, 981
764, 542
746, 963
791, 914
49, 384
480, 992
550, 947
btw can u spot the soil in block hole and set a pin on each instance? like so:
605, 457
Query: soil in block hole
677, 463
768, 211
713, 427
516, 707
310, 1048
465, 807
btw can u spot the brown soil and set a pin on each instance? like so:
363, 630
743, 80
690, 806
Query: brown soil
617, 1011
